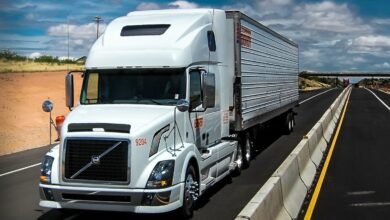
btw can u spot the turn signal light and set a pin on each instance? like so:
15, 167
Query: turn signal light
59, 121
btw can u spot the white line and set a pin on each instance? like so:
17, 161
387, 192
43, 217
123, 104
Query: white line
316, 95
370, 204
388, 108
359, 193
24, 168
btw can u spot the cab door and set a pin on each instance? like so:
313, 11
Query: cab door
206, 126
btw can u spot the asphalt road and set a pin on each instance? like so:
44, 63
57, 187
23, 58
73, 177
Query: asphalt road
356, 184
19, 196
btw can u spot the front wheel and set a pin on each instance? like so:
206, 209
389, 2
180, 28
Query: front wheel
247, 148
238, 159
191, 193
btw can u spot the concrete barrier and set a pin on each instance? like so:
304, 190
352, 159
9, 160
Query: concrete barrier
267, 204
328, 126
293, 189
281, 197
322, 144
315, 151
307, 169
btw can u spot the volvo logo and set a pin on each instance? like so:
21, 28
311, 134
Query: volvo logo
95, 160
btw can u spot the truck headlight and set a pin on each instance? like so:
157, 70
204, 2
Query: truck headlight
156, 140
161, 175
46, 169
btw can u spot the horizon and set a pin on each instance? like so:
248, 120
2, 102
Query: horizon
338, 35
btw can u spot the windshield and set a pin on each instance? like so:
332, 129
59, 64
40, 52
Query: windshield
140, 86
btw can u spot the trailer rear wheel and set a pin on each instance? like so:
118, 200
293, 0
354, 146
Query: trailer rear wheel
288, 122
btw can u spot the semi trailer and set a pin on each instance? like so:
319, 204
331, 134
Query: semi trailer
171, 103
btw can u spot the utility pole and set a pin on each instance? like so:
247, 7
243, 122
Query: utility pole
97, 19
68, 36
67, 62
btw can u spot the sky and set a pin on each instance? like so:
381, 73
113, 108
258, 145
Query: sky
333, 35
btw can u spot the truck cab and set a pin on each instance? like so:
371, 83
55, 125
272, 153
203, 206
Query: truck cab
148, 134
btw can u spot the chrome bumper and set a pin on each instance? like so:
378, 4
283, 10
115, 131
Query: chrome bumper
112, 199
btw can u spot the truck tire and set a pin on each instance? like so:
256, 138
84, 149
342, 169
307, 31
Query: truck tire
288, 122
190, 188
238, 160
247, 149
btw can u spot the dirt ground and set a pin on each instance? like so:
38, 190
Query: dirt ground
23, 123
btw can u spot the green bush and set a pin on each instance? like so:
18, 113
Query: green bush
10, 55
13, 56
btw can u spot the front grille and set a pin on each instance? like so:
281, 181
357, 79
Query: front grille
112, 166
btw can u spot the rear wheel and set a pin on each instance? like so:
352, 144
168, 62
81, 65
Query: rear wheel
288, 122
191, 193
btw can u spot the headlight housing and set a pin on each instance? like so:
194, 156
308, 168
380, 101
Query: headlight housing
156, 140
46, 169
161, 175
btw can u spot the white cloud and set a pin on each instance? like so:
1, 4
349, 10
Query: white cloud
327, 43
372, 41
311, 53
331, 17
381, 21
280, 2
30, 16
147, 6
34, 55
359, 59
183, 5
384, 65
85, 31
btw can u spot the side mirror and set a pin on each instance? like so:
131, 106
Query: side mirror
69, 90
183, 105
208, 90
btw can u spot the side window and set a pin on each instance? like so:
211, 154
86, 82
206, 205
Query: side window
211, 41
195, 90
92, 91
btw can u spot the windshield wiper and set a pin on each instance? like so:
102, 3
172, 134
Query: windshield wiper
154, 101
150, 100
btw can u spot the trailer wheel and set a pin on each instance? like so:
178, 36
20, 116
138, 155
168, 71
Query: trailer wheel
247, 148
191, 192
292, 121
288, 122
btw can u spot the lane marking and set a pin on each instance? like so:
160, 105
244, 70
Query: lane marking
317, 190
388, 108
370, 204
360, 193
18, 170
316, 95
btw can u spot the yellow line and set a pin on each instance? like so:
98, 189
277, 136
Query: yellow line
317, 190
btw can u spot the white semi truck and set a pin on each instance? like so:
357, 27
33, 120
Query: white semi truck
171, 103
